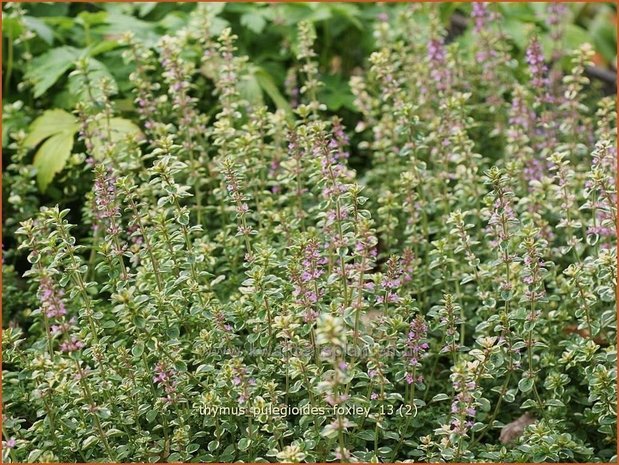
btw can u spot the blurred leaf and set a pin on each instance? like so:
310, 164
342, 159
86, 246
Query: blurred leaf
11, 27
102, 47
119, 23
88, 19
254, 21
145, 8
575, 36
14, 118
604, 35
173, 21
250, 89
49, 123
293, 13
40, 9
46, 69
52, 156
119, 129
217, 26
59, 128
521, 11
268, 85
519, 32
41, 29
350, 11
96, 72
336, 94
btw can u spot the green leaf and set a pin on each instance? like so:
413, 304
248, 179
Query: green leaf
145, 8
150, 416
254, 21
42, 30
366, 435
89, 441
604, 34
52, 156
527, 404
575, 36
12, 27
34, 455
119, 129
439, 397
88, 19
518, 31
138, 349
59, 128
250, 90
268, 85
213, 445
525, 384
96, 72
46, 69
119, 23
244, 444
349, 11
191, 448
554, 403
49, 123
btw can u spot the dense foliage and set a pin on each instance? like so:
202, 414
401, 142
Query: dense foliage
227, 260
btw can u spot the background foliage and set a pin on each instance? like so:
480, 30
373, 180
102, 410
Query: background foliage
416, 178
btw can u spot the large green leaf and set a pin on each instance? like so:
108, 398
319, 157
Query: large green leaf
267, 84
254, 21
59, 128
12, 27
119, 128
48, 124
96, 72
46, 69
52, 156
250, 90
118, 24
42, 30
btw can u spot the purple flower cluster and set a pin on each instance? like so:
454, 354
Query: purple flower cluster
63, 327
335, 172
437, 57
52, 304
165, 378
306, 290
416, 345
233, 186
462, 406
521, 116
312, 262
292, 87
239, 379
532, 277
399, 272
537, 65
106, 203
340, 140
502, 213
480, 15
71, 345
177, 73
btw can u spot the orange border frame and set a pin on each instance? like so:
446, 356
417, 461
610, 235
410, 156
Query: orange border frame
616, 2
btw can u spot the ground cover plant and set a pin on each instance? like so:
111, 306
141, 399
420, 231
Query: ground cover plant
225, 260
